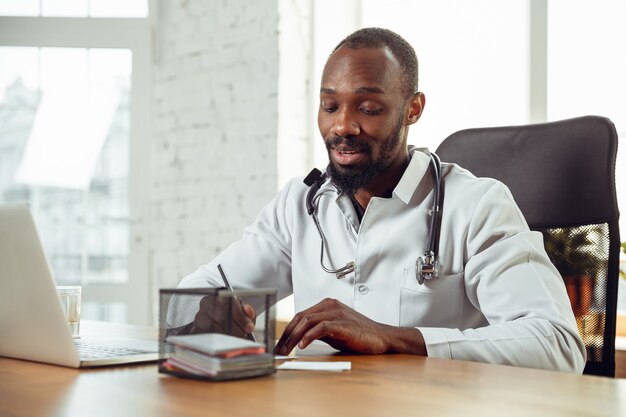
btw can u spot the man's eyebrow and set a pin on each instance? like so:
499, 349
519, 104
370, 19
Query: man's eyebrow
360, 90
369, 90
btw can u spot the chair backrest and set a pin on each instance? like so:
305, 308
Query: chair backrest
562, 176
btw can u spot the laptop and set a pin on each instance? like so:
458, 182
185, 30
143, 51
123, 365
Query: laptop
32, 323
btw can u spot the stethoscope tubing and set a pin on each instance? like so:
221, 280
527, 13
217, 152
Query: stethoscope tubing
315, 179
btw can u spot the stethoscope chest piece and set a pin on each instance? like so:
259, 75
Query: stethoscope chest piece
426, 267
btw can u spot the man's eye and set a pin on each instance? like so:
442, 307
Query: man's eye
329, 109
370, 111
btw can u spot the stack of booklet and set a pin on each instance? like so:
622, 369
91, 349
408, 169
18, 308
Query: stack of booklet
217, 356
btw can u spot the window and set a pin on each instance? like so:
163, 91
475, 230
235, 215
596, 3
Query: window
64, 140
74, 115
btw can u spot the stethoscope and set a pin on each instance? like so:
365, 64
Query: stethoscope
426, 267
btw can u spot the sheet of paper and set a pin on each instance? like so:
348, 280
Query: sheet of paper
284, 357
315, 366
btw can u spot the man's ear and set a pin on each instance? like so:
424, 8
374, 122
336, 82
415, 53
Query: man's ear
416, 107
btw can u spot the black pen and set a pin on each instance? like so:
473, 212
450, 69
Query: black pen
230, 288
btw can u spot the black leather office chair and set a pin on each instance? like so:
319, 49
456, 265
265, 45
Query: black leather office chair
562, 176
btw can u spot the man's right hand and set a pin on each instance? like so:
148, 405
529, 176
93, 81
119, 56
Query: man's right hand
214, 312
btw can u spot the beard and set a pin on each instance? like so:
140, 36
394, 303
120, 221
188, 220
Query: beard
352, 177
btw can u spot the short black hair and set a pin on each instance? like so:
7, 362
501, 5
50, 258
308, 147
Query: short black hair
399, 47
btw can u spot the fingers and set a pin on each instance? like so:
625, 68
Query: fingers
331, 332
251, 313
288, 340
298, 331
243, 316
224, 315
318, 326
240, 318
210, 317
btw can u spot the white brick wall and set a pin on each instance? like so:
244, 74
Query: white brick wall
213, 153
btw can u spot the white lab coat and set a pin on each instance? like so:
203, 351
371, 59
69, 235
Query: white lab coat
498, 298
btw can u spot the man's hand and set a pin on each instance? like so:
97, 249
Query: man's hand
347, 330
213, 316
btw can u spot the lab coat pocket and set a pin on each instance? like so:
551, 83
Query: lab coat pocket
436, 303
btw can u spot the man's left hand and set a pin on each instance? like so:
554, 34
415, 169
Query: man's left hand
347, 330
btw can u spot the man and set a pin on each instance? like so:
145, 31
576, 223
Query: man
498, 298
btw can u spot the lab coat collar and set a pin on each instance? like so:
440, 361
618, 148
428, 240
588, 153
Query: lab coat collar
418, 165
415, 171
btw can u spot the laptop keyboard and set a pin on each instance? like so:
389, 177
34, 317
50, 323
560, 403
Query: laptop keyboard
87, 350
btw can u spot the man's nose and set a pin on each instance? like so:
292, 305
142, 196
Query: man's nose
345, 124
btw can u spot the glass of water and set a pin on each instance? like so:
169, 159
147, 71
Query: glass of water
70, 301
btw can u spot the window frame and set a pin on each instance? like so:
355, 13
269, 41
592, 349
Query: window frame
126, 33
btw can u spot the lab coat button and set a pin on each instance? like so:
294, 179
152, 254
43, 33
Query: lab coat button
363, 289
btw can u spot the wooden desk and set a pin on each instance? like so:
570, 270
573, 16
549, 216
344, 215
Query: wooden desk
385, 385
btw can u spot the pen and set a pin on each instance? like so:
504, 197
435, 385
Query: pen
230, 288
